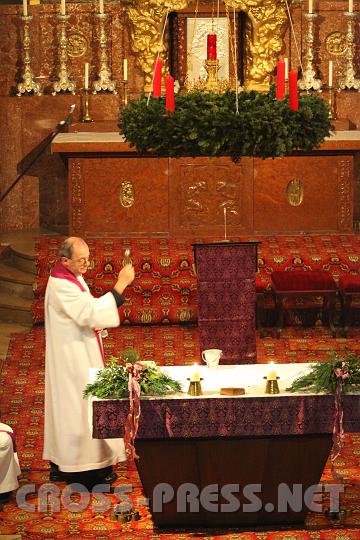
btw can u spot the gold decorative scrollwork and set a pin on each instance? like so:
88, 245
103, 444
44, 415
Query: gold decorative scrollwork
295, 192
336, 43
77, 45
267, 24
127, 194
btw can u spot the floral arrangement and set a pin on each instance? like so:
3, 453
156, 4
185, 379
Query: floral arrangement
210, 124
113, 380
326, 376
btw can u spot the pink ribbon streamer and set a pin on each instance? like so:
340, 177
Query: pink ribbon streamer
132, 420
338, 426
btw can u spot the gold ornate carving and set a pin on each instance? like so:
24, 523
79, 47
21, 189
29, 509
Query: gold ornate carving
127, 194
345, 195
295, 192
267, 24
77, 190
335, 43
76, 45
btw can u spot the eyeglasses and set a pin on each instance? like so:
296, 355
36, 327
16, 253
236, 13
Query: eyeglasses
82, 260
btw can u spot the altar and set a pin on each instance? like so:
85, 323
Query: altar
218, 460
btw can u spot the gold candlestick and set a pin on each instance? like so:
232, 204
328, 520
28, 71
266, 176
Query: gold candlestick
104, 81
212, 67
28, 84
63, 84
272, 386
125, 93
308, 80
86, 116
195, 388
331, 103
349, 81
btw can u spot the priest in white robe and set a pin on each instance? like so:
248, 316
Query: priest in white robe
9, 463
73, 318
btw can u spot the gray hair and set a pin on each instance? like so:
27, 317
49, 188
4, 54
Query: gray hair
66, 249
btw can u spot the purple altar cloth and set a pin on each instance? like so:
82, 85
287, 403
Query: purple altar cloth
166, 418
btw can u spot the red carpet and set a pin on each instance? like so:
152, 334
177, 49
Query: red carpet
21, 403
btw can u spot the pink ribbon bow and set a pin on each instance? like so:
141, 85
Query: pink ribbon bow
132, 420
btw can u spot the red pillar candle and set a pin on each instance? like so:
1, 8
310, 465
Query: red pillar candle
211, 46
293, 91
170, 96
157, 78
280, 79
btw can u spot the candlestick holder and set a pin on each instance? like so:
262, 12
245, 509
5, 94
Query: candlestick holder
28, 84
104, 81
212, 68
63, 84
86, 116
195, 388
125, 93
272, 386
349, 81
332, 103
308, 80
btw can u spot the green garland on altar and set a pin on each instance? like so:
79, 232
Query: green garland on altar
324, 376
206, 124
112, 381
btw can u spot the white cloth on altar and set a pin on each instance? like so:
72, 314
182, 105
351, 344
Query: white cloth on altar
9, 462
71, 349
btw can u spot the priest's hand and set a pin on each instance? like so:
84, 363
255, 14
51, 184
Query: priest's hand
125, 277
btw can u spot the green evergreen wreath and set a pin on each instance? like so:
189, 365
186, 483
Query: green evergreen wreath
206, 124
323, 377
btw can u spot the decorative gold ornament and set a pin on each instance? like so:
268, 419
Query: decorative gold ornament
264, 39
127, 194
295, 192
335, 43
77, 45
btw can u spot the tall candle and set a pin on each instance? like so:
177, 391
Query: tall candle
157, 78
125, 70
293, 91
101, 7
211, 46
195, 374
286, 60
62, 8
351, 6
271, 374
310, 6
86, 76
170, 95
25, 10
280, 79
330, 73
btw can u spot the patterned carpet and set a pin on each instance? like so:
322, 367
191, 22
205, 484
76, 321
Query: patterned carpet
21, 405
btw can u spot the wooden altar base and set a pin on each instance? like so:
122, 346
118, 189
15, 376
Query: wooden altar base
235, 464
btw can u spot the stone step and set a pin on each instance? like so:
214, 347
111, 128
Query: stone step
14, 308
22, 260
16, 281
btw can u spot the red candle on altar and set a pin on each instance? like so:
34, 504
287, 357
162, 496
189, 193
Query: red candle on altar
211, 46
170, 96
293, 91
280, 79
157, 78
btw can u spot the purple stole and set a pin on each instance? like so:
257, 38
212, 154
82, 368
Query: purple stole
61, 272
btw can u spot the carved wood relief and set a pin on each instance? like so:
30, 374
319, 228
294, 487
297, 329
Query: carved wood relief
77, 196
345, 194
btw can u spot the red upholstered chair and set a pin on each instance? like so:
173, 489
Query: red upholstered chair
305, 284
349, 287
260, 305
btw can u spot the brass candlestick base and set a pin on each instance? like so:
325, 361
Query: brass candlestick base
272, 386
86, 116
212, 67
195, 388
